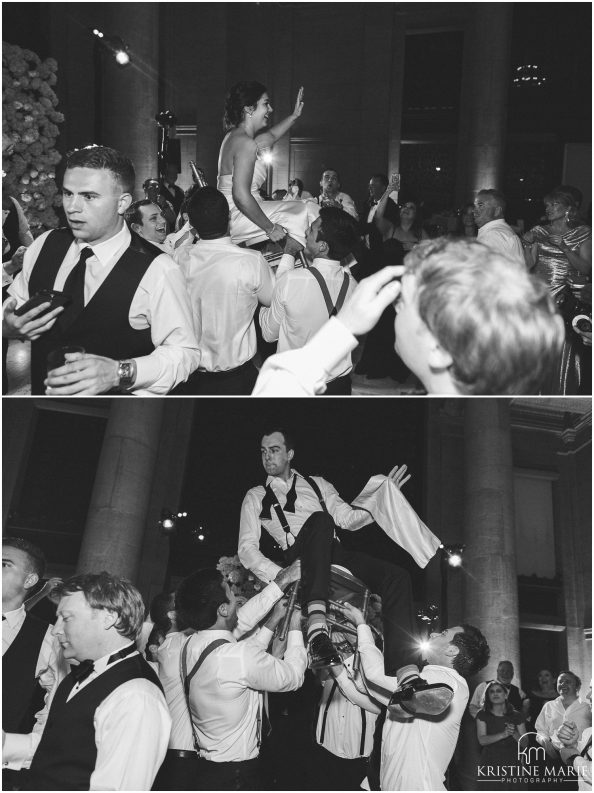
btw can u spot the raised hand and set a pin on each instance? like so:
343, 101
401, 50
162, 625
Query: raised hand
299, 103
352, 613
397, 475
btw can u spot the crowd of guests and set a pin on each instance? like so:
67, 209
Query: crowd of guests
196, 695
173, 293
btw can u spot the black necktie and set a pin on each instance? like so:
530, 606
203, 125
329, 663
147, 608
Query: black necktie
82, 671
75, 287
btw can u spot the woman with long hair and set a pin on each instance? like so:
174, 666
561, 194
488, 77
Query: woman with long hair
242, 169
498, 729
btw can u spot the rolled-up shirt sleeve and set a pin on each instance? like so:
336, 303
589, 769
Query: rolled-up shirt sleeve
266, 673
271, 318
304, 372
380, 686
162, 301
248, 548
256, 608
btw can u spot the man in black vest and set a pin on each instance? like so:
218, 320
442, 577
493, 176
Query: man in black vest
32, 662
108, 724
304, 526
129, 309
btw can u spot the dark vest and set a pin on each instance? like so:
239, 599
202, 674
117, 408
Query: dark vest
22, 696
67, 753
102, 328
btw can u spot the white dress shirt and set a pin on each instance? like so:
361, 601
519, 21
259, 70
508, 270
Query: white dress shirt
380, 501
298, 309
226, 694
225, 284
168, 660
160, 302
306, 503
50, 669
415, 752
500, 237
305, 372
346, 203
132, 727
554, 713
343, 710
182, 238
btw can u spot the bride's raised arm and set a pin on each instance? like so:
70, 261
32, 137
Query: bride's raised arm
270, 136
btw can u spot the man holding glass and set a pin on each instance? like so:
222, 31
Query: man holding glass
125, 309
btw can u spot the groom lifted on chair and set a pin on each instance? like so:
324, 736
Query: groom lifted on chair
301, 514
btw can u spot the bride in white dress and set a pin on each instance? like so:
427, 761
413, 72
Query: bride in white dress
242, 171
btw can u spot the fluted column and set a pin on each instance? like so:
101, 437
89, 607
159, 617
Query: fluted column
485, 86
114, 531
131, 93
491, 589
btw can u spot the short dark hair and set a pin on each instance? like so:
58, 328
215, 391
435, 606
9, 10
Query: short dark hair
208, 211
474, 651
243, 94
34, 554
133, 213
498, 323
333, 171
198, 598
104, 158
497, 197
112, 593
339, 230
288, 436
381, 176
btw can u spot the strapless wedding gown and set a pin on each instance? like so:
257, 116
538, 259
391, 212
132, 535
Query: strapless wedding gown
295, 216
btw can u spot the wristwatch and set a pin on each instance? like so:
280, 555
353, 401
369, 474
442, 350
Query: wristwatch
126, 374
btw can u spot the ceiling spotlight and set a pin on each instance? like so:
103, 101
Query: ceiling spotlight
453, 554
122, 57
168, 521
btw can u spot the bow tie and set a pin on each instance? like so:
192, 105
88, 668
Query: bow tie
82, 671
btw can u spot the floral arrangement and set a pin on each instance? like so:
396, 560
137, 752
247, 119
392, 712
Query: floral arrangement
241, 581
29, 120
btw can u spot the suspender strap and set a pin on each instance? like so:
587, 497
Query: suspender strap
186, 678
314, 486
332, 308
363, 731
325, 716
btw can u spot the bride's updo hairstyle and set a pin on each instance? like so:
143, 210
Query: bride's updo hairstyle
244, 94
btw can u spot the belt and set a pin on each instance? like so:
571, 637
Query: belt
221, 375
182, 754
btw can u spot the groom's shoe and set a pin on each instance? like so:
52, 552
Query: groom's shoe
322, 653
419, 698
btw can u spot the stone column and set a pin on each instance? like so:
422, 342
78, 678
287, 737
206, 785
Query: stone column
485, 85
490, 579
114, 532
491, 589
18, 430
131, 93
396, 91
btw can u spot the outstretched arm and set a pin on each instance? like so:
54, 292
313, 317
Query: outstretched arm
270, 136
